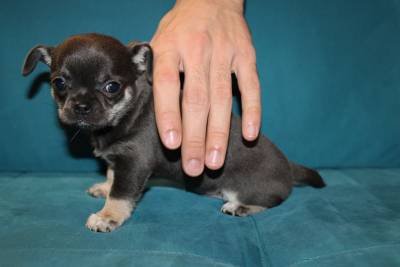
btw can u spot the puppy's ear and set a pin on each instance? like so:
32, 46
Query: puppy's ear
38, 53
142, 58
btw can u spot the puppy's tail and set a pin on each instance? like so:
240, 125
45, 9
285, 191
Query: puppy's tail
305, 176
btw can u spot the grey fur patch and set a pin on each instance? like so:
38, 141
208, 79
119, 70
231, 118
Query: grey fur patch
46, 55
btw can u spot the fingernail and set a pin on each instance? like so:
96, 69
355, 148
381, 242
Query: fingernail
214, 157
252, 131
171, 138
194, 167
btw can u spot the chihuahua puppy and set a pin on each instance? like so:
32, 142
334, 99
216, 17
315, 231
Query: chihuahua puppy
106, 87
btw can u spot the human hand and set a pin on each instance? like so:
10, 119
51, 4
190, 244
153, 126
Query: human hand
207, 40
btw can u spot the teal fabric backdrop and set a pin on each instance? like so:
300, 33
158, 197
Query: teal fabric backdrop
329, 72
352, 222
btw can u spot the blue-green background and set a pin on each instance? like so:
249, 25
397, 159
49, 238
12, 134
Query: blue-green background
329, 72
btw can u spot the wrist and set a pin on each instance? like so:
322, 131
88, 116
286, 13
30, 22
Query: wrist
233, 5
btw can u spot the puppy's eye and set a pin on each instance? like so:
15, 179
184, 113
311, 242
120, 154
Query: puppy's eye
59, 84
112, 87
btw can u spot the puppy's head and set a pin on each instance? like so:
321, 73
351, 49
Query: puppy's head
93, 77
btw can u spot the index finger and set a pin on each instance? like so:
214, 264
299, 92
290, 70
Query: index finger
166, 89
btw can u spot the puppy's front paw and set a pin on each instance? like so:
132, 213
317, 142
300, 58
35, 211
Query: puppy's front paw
99, 190
98, 223
112, 215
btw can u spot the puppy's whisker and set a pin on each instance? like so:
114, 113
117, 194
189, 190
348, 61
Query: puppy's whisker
75, 135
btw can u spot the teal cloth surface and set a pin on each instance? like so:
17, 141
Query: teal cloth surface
354, 221
329, 73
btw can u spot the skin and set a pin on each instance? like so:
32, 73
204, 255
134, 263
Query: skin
207, 40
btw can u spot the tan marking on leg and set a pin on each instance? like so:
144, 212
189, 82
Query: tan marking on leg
102, 189
112, 215
110, 175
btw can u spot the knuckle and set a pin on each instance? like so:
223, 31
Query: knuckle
256, 85
196, 46
222, 72
253, 110
166, 18
224, 45
200, 38
195, 92
195, 143
167, 120
253, 88
167, 116
165, 75
162, 42
221, 83
251, 51
222, 95
198, 74
196, 98
250, 82
248, 54
222, 90
217, 136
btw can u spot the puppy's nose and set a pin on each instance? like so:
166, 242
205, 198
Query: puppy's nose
82, 109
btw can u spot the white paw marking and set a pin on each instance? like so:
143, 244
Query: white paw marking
230, 196
99, 223
230, 208
234, 207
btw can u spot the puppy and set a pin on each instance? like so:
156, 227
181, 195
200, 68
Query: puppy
103, 86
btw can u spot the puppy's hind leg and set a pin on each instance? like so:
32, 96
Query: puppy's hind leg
234, 207
102, 189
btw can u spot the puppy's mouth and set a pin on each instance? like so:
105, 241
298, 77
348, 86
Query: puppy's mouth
85, 123
81, 123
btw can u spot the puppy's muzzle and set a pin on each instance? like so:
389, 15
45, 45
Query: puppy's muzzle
82, 109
